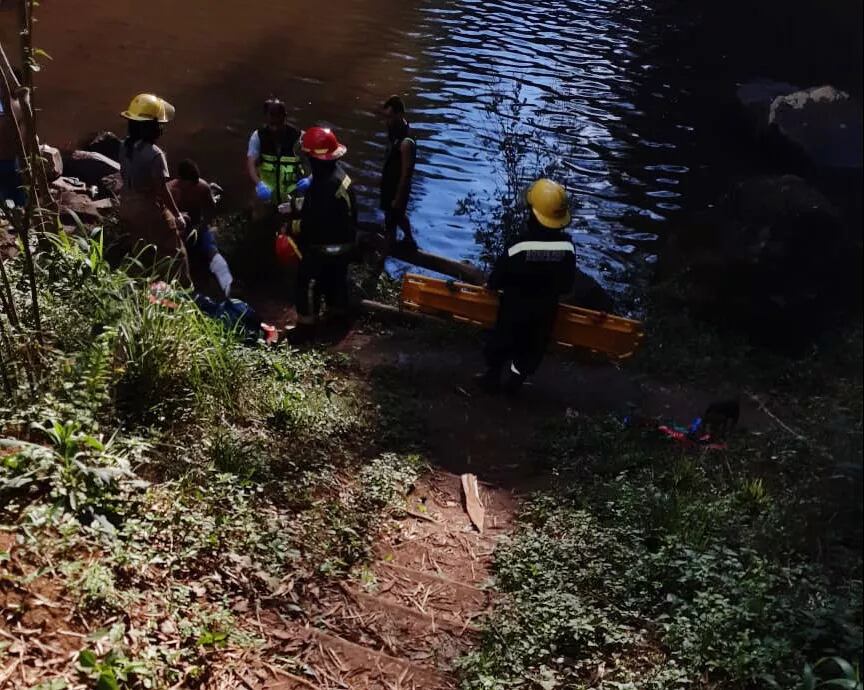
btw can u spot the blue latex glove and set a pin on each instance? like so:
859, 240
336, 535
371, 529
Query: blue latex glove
263, 192
304, 184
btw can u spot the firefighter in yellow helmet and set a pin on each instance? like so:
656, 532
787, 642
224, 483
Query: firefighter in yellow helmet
149, 217
531, 275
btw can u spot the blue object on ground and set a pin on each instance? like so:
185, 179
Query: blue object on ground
233, 313
304, 184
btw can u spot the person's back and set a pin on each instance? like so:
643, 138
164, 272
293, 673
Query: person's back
142, 166
538, 268
192, 195
532, 275
327, 228
329, 214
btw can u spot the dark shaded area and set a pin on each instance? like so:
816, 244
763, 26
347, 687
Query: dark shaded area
708, 51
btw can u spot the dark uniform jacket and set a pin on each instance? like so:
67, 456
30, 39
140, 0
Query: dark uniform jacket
329, 213
535, 271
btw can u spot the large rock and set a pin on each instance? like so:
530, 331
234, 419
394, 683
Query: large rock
53, 161
823, 123
106, 143
88, 210
757, 97
88, 166
774, 257
111, 184
588, 293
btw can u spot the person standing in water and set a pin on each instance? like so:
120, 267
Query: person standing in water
398, 172
148, 213
275, 166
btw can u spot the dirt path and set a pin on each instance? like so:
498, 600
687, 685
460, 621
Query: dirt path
400, 622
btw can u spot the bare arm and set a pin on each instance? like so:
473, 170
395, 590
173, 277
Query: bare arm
164, 194
252, 169
406, 150
208, 210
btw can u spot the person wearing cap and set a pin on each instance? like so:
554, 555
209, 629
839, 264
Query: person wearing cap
531, 276
149, 216
326, 230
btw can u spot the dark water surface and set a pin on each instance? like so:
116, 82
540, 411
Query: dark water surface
579, 63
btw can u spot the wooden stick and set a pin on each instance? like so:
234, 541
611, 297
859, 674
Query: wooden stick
473, 505
755, 398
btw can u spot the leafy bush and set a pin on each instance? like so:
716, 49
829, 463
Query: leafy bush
651, 568
76, 472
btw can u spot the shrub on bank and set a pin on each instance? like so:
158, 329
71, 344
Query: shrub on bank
152, 465
653, 568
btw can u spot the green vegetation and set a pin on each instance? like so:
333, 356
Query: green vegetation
167, 477
648, 565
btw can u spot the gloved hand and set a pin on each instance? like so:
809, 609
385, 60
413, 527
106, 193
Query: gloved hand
262, 191
304, 184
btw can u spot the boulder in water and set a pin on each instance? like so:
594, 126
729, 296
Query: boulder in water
774, 257
823, 123
757, 97
588, 293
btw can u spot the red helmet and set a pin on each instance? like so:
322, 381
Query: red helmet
287, 253
321, 143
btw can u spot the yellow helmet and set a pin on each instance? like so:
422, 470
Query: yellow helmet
147, 106
549, 204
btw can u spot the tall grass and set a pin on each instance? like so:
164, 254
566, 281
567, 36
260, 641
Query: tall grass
152, 358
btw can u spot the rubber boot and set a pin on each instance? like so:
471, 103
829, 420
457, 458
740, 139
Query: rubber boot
515, 380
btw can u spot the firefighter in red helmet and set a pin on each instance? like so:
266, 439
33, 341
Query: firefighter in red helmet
326, 231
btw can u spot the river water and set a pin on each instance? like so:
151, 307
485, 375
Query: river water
593, 107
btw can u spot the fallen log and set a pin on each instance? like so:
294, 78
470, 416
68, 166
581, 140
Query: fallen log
587, 292
371, 239
463, 271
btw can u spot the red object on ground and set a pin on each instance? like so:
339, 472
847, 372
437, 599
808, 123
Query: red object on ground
158, 292
681, 437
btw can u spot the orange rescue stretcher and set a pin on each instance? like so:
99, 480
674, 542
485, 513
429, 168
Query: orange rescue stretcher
613, 336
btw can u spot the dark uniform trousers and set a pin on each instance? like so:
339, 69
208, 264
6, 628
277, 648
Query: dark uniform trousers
328, 225
532, 275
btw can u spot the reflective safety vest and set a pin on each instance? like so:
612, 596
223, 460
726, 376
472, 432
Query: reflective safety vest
279, 166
